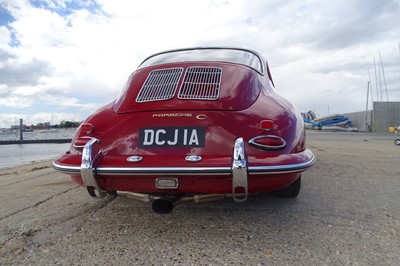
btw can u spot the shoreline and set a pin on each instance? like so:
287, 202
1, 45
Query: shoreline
34, 141
20, 154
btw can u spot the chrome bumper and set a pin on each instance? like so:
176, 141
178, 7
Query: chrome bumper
239, 170
88, 165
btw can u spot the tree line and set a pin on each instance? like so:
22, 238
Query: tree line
68, 124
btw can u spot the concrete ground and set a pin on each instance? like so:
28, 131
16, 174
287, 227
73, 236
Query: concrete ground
348, 213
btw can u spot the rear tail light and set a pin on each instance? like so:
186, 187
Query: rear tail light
268, 142
83, 135
87, 128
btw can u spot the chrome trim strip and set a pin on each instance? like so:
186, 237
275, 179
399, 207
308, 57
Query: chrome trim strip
281, 169
163, 170
239, 171
267, 147
87, 169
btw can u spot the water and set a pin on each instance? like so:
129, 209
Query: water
60, 133
18, 154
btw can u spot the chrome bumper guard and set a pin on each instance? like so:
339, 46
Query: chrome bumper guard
88, 165
239, 172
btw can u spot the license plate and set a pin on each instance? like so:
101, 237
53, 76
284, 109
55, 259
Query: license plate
167, 137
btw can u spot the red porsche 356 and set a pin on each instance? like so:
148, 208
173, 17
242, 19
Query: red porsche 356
192, 124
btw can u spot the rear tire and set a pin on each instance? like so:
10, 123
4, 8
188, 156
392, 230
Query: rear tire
397, 142
290, 191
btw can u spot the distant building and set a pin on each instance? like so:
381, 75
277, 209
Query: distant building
45, 125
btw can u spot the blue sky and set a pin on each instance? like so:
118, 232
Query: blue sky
63, 59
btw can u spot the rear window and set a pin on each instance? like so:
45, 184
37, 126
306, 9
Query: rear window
232, 55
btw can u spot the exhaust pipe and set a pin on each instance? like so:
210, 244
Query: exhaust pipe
163, 206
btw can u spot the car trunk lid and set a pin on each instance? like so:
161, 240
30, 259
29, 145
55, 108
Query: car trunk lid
189, 86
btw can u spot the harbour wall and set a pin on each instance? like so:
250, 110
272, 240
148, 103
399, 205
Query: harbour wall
361, 120
378, 120
31, 141
386, 114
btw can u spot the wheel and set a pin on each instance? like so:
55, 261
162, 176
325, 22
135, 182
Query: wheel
290, 191
397, 142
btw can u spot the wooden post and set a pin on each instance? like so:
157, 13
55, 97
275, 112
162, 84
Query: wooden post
20, 129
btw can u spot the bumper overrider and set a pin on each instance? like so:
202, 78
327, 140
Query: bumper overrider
238, 171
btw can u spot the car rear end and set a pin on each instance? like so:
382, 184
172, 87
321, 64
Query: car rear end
190, 128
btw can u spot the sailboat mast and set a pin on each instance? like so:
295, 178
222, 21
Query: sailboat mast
376, 82
383, 74
366, 109
369, 80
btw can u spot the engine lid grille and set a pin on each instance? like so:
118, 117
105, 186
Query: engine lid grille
201, 83
160, 85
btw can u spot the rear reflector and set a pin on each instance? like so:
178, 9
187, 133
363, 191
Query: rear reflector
268, 142
267, 124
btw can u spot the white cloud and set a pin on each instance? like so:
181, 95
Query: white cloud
16, 102
4, 36
61, 101
78, 54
